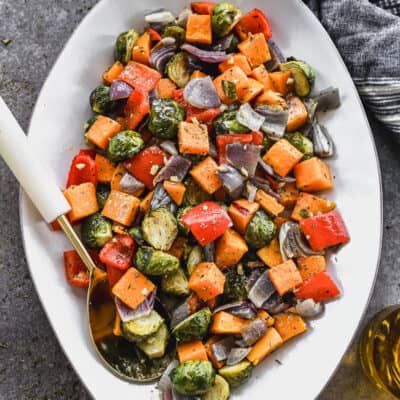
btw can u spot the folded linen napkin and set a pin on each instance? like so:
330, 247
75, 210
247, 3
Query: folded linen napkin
367, 34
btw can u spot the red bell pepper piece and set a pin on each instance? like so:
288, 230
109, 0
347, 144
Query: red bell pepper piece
136, 108
325, 230
203, 7
203, 116
141, 165
253, 22
118, 252
75, 270
83, 168
154, 35
258, 138
320, 287
114, 275
140, 76
223, 140
207, 222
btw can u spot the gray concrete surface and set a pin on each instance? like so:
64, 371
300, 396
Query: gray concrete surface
32, 365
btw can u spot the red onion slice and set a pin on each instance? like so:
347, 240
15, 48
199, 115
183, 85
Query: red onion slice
180, 313
222, 348
261, 291
201, 93
170, 147
275, 121
175, 169
268, 169
223, 43
237, 355
309, 308
243, 156
249, 118
277, 56
120, 90
129, 184
145, 308
264, 185
327, 99
205, 55
253, 332
242, 309
160, 55
232, 181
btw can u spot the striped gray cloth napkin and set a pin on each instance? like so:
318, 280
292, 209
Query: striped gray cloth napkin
367, 34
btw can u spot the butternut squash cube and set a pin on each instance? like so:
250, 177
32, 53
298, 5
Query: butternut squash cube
241, 212
266, 345
268, 203
285, 277
271, 254
230, 248
289, 325
102, 130
256, 49
313, 175
121, 207
82, 199
205, 174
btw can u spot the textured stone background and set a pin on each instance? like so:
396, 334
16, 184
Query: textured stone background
32, 365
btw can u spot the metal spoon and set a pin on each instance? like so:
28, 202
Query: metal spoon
117, 354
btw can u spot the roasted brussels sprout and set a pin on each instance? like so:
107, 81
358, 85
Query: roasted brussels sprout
237, 374
124, 46
176, 283
155, 345
303, 75
159, 228
302, 143
102, 192
235, 285
178, 69
224, 17
260, 231
175, 31
219, 391
155, 262
183, 230
96, 231
194, 194
123, 145
165, 115
100, 100
137, 234
227, 123
194, 327
196, 256
139, 329
193, 377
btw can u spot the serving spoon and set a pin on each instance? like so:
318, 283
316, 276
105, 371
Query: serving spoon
120, 356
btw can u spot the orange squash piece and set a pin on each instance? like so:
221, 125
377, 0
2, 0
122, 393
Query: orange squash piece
268, 203
280, 81
176, 191
289, 325
297, 113
271, 254
234, 75
178, 247
207, 281
193, 138
279, 221
266, 345
227, 324
265, 317
192, 351
121, 207
313, 175
205, 174
119, 172
256, 49
198, 29
210, 353
310, 265
230, 248
117, 325
262, 75
248, 90
82, 199
112, 73
238, 60
308, 205
241, 212
282, 157
289, 194
285, 277
105, 168
142, 48
145, 203
133, 288
102, 130
166, 88
270, 97
197, 74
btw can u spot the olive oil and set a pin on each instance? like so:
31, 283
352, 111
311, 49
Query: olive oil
380, 350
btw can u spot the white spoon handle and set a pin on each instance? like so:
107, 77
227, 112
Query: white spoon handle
34, 178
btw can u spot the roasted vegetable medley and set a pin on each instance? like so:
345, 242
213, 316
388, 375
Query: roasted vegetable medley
199, 195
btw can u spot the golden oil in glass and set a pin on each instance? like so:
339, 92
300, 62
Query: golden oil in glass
380, 350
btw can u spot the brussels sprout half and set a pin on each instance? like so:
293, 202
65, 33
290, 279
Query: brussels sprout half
227, 123
219, 391
237, 374
235, 285
139, 329
102, 192
155, 345
193, 377
178, 69
155, 262
165, 116
194, 194
196, 256
303, 75
100, 100
175, 31
96, 231
137, 234
183, 230
302, 143
224, 17
176, 283
194, 327
260, 231
124, 46
123, 145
